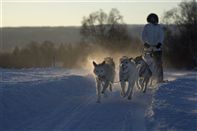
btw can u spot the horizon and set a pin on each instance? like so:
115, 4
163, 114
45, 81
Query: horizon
49, 13
69, 26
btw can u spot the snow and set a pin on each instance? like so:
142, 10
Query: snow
62, 99
174, 104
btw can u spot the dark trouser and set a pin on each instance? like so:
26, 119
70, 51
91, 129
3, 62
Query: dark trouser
157, 56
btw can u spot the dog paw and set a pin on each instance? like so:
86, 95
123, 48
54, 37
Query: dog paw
129, 98
122, 94
98, 101
138, 87
127, 93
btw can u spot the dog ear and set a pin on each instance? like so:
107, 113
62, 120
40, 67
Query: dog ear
130, 58
94, 63
103, 63
121, 60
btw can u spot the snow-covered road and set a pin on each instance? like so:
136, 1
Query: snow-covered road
60, 99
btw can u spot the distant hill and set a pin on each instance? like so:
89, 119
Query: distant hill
21, 36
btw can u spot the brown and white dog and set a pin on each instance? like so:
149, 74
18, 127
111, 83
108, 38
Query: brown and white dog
146, 67
104, 75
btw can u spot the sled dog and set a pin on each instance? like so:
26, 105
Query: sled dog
104, 75
127, 73
145, 67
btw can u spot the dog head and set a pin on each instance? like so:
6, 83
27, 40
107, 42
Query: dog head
99, 70
125, 63
148, 58
138, 60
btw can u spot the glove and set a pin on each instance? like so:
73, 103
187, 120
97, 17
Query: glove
146, 45
158, 45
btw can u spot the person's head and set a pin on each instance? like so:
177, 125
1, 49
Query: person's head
152, 18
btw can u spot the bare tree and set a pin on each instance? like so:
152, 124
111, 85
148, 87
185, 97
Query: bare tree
105, 29
184, 18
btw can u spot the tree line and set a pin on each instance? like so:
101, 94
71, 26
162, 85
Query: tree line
45, 54
49, 54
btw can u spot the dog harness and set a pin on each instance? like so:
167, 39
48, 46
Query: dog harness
145, 68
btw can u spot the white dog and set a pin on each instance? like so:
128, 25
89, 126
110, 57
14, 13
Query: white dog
127, 73
104, 74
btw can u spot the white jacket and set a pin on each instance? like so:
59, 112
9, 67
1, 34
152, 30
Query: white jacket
153, 34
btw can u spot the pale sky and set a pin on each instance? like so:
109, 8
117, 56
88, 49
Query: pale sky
70, 13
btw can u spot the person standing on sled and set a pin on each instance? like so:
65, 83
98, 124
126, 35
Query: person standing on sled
152, 37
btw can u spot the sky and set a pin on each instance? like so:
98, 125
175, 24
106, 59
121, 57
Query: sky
70, 13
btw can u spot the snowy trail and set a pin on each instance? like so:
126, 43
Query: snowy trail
114, 113
63, 100
66, 103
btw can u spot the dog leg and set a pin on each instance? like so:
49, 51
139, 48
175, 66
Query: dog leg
151, 82
123, 84
140, 83
130, 89
105, 86
110, 86
145, 85
98, 91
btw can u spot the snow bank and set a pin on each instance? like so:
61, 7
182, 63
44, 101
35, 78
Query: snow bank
174, 105
37, 74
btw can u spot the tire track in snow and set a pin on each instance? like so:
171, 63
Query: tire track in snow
76, 113
125, 124
48, 120
135, 117
52, 120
